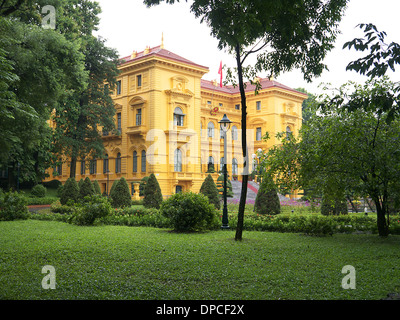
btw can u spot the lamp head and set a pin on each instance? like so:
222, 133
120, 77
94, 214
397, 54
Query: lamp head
225, 123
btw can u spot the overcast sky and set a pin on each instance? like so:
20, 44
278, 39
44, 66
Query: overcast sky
128, 25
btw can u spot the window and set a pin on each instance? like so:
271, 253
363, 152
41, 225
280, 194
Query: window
105, 164
258, 105
178, 189
57, 170
119, 87
288, 133
221, 132
210, 130
119, 127
178, 160
139, 117
237, 106
118, 163
134, 161
83, 167
178, 117
143, 161
93, 166
234, 133
258, 134
210, 164
221, 163
139, 80
234, 166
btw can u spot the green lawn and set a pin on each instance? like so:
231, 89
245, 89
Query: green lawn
111, 262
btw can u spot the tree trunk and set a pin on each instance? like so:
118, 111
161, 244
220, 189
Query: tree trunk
245, 175
72, 171
383, 226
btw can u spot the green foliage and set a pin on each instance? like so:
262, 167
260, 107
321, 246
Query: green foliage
86, 189
152, 193
113, 187
333, 207
120, 196
267, 200
142, 186
96, 187
70, 191
12, 206
189, 212
94, 207
39, 191
209, 189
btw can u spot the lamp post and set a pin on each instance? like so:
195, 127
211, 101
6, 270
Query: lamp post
225, 125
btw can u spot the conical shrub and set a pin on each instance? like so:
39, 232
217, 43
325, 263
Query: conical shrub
96, 187
70, 191
86, 189
267, 200
152, 193
209, 189
120, 196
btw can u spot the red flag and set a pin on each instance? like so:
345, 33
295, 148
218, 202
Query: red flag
220, 73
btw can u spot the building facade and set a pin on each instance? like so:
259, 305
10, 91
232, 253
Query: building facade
167, 117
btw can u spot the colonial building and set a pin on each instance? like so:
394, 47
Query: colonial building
167, 117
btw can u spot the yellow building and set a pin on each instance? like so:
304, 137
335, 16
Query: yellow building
168, 118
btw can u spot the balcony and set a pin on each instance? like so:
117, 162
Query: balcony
136, 130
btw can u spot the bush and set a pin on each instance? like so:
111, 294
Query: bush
209, 189
120, 195
86, 189
333, 207
12, 206
70, 191
94, 207
267, 200
39, 191
152, 194
113, 187
53, 184
188, 211
57, 207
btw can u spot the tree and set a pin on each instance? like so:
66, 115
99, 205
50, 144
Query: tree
152, 193
284, 34
120, 196
341, 151
306, 107
209, 189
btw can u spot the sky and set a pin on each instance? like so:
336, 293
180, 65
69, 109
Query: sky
129, 25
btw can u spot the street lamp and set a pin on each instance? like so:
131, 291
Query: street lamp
225, 125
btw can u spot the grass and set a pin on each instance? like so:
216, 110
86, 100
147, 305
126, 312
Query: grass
118, 262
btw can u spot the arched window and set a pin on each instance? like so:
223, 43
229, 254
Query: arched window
234, 133
178, 117
288, 132
143, 161
134, 161
178, 160
118, 163
105, 164
210, 130
234, 166
210, 164
93, 166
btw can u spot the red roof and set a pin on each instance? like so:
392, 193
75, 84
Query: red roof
163, 53
265, 84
